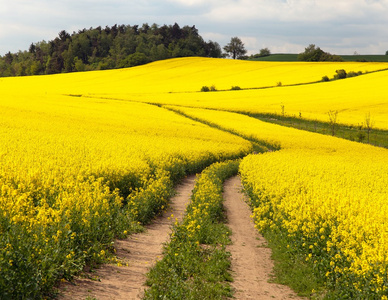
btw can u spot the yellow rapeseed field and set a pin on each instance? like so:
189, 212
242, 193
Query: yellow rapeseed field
353, 98
178, 82
327, 194
68, 164
187, 75
85, 156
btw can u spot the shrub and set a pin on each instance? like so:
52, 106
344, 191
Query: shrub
353, 74
207, 89
264, 52
340, 74
361, 136
235, 88
325, 78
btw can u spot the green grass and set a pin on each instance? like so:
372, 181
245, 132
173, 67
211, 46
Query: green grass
292, 269
377, 137
371, 58
294, 57
195, 263
278, 57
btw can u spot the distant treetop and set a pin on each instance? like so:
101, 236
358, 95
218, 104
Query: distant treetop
113, 47
235, 48
313, 53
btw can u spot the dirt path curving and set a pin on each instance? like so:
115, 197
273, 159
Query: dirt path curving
251, 259
139, 251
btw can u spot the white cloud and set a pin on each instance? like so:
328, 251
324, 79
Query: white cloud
334, 25
214, 36
296, 10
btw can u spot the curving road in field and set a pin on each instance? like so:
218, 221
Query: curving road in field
139, 251
251, 259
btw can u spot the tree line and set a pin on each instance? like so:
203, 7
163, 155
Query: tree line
118, 46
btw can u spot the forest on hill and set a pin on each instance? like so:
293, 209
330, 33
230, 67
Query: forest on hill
118, 46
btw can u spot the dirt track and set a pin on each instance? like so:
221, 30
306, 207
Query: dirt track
251, 259
140, 251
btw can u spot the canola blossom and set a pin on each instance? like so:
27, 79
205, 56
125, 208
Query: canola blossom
87, 156
195, 263
75, 173
178, 82
353, 98
186, 74
326, 194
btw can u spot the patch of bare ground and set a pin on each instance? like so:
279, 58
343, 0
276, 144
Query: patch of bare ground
139, 251
252, 265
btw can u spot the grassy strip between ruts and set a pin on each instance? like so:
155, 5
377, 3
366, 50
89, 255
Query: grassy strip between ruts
195, 263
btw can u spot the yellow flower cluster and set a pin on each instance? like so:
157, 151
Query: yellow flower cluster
69, 163
187, 74
327, 194
178, 81
196, 249
181, 80
206, 203
75, 147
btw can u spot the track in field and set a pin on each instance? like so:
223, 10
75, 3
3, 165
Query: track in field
139, 251
251, 259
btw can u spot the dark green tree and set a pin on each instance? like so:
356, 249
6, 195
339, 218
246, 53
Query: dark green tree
235, 48
213, 49
112, 47
264, 52
313, 53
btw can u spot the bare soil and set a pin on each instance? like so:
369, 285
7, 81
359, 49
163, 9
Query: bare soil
252, 265
140, 251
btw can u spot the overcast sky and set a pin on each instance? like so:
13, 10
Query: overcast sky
283, 26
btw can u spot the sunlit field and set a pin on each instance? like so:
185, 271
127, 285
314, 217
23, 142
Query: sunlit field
87, 157
327, 195
164, 82
353, 98
188, 75
74, 173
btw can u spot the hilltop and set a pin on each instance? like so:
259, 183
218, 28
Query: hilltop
113, 47
294, 57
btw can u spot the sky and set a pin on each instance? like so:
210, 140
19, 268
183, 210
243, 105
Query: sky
282, 26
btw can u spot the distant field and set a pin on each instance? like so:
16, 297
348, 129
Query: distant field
377, 58
266, 87
294, 57
278, 57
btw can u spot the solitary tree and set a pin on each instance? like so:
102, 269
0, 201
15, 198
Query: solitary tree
313, 53
333, 120
265, 52
235, 48
368, 124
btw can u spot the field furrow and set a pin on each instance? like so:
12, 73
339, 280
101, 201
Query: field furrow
136, 255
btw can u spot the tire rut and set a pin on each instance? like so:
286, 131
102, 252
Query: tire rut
140, 251
252, 265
